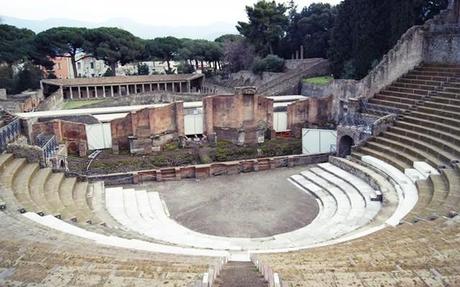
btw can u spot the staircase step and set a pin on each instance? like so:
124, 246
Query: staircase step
239, 274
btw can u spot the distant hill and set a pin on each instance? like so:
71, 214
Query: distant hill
145, 31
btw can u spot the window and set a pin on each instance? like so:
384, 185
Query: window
79, 65
92, 65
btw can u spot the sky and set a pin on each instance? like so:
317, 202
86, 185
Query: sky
151, 12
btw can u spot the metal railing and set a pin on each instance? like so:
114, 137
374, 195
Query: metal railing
9, 132
48, 144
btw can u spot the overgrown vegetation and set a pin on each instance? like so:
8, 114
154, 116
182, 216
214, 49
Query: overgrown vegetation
81, 103
172, 155
271, 63
320, 81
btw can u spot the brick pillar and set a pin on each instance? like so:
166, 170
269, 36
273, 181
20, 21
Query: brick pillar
180, 118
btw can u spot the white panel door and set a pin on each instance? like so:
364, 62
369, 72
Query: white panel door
99, 136
280, 121
316, 141
193, 122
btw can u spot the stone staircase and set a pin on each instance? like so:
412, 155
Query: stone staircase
240, 274
427, 130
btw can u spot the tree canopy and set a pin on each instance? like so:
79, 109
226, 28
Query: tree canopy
114, 45
16, 44
266, 26
364, 30
62, 42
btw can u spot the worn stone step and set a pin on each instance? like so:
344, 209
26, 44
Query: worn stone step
239, 274
427, 129
435, 118
442, 106
398, 105
415, 152
52, 185
409, 90
37, 189
430, 151
415, 86
21, 187
435, 141
402, 95
403, 100
439, 111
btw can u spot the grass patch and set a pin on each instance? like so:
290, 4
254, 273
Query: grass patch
321, 81
69, 105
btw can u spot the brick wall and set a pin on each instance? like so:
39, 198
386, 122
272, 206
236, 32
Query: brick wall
71, 133
314, 111
209, 170
240, 118
147, 125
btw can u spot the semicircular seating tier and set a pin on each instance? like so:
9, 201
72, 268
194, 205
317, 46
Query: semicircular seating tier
388, 213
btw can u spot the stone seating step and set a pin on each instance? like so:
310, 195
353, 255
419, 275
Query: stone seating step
37, 190
4, 159
409, 149
409, 90
21, 184
80, 198
384, 109
390, 196
424, 72
445, 128
443, 100
66, 195
420, 82
402, 94
10, 169
426, 77
436, 152
383, 155
452, 205
415, 86
447, 145
441, 191
388, 98
425, 196
423, 128
439, 111
447, 94
396, 157
443, 106
447, 121
52, 185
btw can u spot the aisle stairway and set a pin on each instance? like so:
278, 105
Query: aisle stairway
240, 274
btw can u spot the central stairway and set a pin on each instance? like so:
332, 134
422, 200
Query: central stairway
240, 274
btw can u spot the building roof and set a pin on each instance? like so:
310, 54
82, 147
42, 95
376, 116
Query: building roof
98, 111
122, 80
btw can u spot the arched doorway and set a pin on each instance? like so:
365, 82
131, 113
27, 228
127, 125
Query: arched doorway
345, 144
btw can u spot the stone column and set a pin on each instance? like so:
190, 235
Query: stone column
95, 91
127, 90
119, 90
143, 88
103, 91
151, 87
61, 91
180, 87
71, 93
111, 91
79, 92
158, 87
172, 87
188, 86
87, 92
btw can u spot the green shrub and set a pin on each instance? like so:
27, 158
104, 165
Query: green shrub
271, 63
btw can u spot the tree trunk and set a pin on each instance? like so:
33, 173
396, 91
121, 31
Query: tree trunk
74, 65
196, 64
113, 67
169, 65
202, 68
